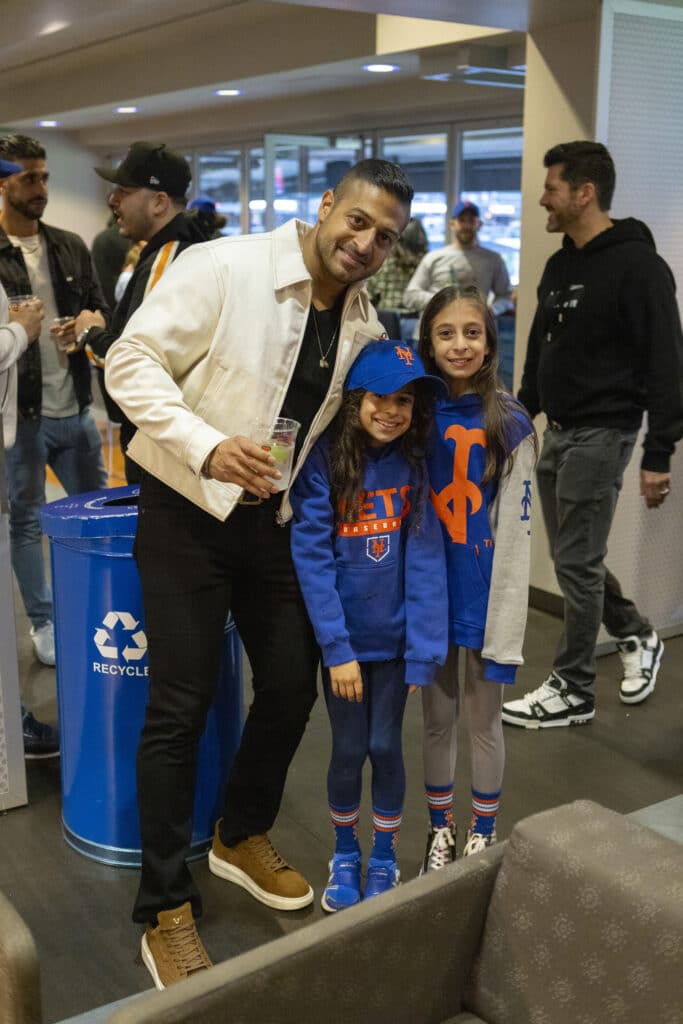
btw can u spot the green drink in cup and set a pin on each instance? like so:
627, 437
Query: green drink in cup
280, 443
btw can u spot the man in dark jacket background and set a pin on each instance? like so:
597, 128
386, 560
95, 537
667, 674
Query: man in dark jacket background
54, 424
605, 346
148, 203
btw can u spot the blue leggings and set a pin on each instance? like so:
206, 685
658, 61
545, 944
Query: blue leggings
371, 728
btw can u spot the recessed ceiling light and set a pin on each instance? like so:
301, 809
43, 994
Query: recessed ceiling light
127, 110
53, 26
381, 69
228, 92
48, 124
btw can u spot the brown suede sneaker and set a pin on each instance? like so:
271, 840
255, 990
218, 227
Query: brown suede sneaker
173, 950
258, 867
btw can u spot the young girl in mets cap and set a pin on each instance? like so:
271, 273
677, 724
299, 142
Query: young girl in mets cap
369, 555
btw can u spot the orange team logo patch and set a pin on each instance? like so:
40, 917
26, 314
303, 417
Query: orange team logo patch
378, 547
405, 354
451, 502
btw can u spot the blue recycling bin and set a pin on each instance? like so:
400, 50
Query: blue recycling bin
102, 681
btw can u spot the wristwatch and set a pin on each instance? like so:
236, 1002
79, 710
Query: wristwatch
82, 336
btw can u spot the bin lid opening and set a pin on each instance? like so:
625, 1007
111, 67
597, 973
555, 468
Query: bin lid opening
109, 513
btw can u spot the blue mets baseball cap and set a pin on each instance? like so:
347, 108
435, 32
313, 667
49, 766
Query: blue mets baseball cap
387, 366
7, 167
465, 206
204, 203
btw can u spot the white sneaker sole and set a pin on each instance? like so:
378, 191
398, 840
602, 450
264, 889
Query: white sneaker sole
536, 723
148, 961
232, 874
641, 695
335, 910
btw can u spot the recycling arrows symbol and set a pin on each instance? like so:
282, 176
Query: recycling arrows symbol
103, 638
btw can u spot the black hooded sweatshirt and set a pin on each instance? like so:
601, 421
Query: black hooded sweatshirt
606, 342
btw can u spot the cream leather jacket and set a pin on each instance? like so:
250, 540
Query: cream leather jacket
211, 351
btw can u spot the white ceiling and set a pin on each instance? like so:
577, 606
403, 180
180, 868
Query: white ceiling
76, 60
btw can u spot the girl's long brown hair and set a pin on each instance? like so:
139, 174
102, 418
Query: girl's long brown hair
349, 443
498, 403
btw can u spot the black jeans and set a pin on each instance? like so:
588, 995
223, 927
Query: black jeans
194, 569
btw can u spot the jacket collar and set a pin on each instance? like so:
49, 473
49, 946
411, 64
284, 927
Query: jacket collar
290, 269
45, 230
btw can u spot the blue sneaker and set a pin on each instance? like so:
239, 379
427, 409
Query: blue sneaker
343, 886
383, 875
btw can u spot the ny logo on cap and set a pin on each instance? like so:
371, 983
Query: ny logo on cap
405, 355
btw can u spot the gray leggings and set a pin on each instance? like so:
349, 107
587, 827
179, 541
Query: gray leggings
481, 702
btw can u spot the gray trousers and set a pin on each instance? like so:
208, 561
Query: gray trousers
580, 473
480, 700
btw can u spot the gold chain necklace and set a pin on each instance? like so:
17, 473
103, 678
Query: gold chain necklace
323, 355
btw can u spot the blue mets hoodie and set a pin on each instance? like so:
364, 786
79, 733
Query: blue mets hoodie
374, 589
486, 531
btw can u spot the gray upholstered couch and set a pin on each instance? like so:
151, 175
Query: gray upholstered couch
576, 919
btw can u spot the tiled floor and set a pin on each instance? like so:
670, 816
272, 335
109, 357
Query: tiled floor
629, 758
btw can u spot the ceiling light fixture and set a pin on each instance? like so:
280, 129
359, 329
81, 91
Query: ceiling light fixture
127, 110
48, 124
381, 69
53, 26
228, 92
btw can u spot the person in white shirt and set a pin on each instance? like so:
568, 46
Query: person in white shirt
20, 327
464, 262
54, 424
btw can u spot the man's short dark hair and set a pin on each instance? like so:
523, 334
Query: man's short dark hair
583, 162
20, 147
382, 174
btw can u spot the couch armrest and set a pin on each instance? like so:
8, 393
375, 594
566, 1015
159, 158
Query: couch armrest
400, 958
585, 924
19, 972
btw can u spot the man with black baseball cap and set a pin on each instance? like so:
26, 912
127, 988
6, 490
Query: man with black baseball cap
464, 262
148, 203
150, 165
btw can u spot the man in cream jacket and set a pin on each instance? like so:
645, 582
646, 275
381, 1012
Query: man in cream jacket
238, 332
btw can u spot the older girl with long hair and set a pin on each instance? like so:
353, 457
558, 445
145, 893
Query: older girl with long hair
480, 470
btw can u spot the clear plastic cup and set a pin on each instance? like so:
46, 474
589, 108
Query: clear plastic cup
16, 301
56, 325
281, 443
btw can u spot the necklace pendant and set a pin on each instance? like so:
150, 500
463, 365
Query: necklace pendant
324, 363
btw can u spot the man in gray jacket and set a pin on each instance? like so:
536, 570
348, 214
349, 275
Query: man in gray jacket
463, 262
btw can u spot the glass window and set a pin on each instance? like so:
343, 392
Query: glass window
423, 158
491, 178
257, 194
325, 169
219, 178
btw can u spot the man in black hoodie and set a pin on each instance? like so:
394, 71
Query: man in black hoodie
148, 203
605, 346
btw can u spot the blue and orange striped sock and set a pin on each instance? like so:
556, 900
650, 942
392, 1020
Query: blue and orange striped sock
484, 810
345, 821
440, 804
386, 826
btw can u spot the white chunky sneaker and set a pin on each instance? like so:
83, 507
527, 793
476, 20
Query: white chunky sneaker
476, 842
44, 643
641, 657
552, 704
440, 849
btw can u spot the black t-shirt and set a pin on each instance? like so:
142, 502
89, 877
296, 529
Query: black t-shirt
310, 381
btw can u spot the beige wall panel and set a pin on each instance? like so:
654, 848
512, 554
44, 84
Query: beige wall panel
559, 105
